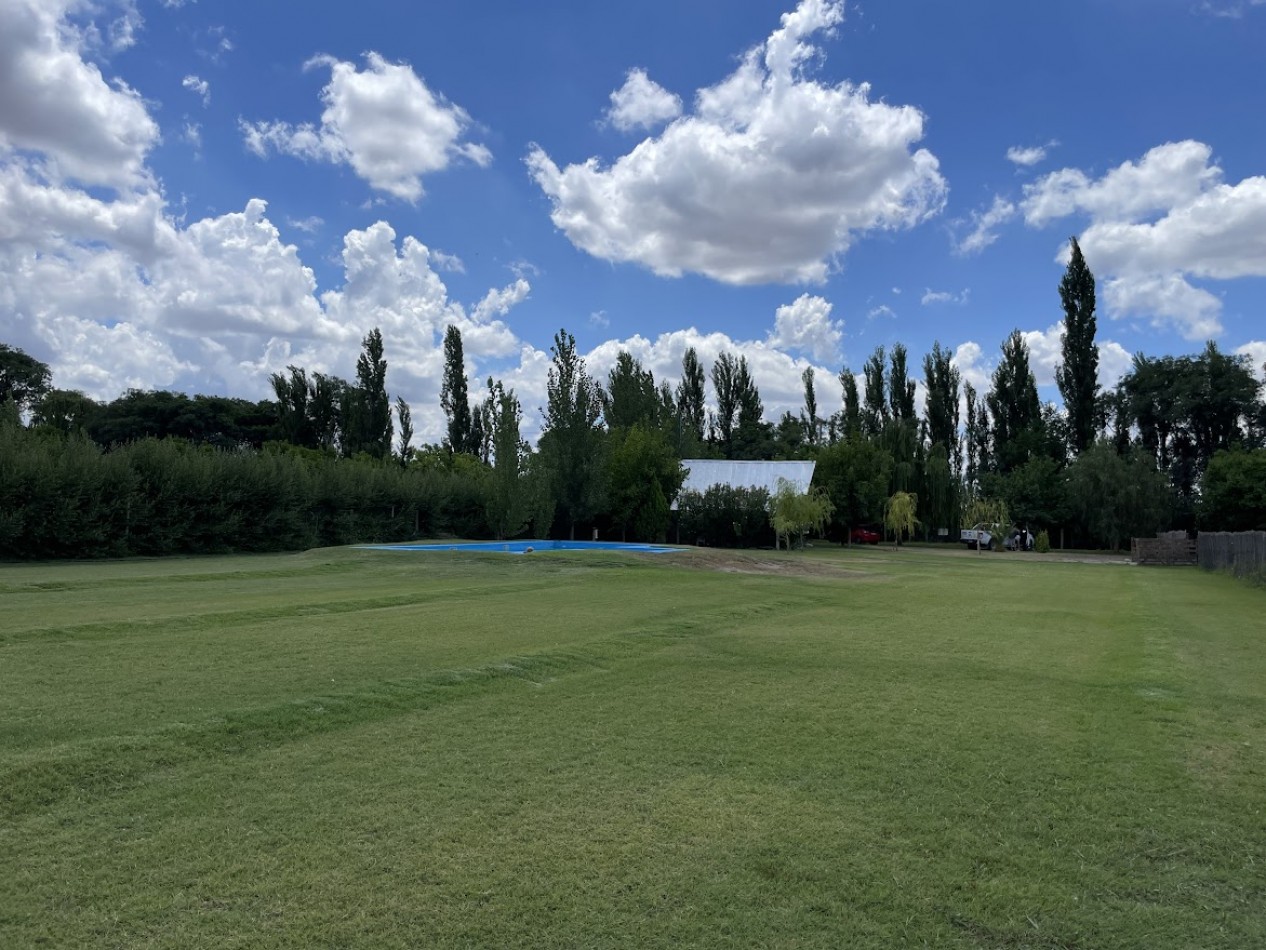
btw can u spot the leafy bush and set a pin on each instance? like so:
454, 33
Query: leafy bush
1042, 543
726, 517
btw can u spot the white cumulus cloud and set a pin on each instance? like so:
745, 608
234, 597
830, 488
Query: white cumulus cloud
1158, 224
383, 121
805, 326
54, 102
642, 103
769, 179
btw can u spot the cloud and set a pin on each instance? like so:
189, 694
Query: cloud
383, 121
599, 319
931, 297
642, 103
985, 226
192, 133
770, 178
308, 225
1157, 224
447, 262
1229, 9
1255, 350
54, 102
883, 310
199, 87
1026, 156
805, 326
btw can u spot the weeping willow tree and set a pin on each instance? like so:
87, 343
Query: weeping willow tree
899, 515
797, 513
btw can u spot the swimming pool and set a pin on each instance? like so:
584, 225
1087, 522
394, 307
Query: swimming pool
525, 547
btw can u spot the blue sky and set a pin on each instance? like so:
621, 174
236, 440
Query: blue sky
194, 195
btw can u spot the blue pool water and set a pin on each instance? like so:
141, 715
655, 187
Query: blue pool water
523, 547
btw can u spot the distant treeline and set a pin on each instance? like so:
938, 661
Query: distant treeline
1178, 442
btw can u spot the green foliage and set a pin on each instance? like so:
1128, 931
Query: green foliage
23, 378
1042, 543
65, 410
1078, 375
1233, 492
454, 399
1114, 498
690, 397
1035, 493
794, 514
508, 495
855, 475
990, 511
645, 475
366, 407
62, 496
572, 442
212, 420
1188, 408
630, 397
1014, 408
899, 515
726, 517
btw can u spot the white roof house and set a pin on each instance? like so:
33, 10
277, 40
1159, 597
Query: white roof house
702, 474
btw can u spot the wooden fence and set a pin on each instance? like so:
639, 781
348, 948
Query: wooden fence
1243, 553
1171, 547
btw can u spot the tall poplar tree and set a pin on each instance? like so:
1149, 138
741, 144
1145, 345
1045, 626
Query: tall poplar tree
1014, 407
367, 412
724, 383
454, 395
690, 395
874, 405
571, 441
1078, 374
812, 424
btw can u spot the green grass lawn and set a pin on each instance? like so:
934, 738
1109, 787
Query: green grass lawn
829, 748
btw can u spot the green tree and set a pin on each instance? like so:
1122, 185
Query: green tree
1034, 492
404, 418
630, 397
796, 513
66, 410
851, 420
753, 436
1114, 498
855, 474
571, 440
644, 476
367, 408
691, 409
725, 385
23, 378
454, 395
899, 515
1014, 407
874, 404
1078, 375
1233, 491
812, 424
509, 496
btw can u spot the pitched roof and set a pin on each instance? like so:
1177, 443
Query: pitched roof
702, 474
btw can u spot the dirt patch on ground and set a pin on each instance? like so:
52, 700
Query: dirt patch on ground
756, 562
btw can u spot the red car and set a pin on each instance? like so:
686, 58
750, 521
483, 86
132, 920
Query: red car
864, 536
